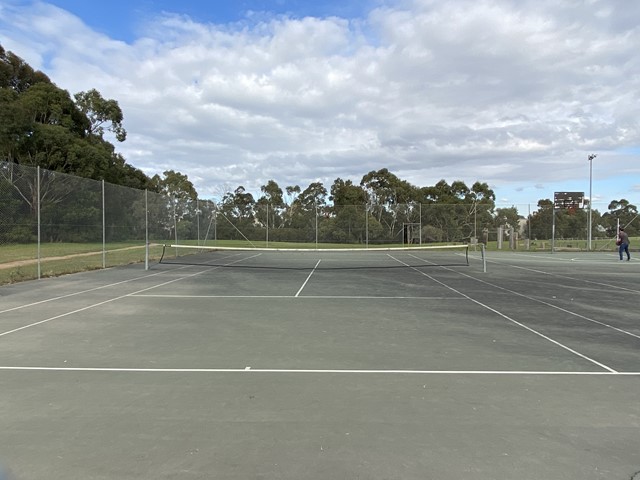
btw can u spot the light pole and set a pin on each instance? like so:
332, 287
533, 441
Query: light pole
590, 158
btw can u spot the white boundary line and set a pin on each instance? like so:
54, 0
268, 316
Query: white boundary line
590, 282
319, 371
113, 299
506, 317
61, 297
564, 310
303, 297
307, 280
609, 371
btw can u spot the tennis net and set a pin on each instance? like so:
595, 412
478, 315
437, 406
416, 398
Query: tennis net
318, 258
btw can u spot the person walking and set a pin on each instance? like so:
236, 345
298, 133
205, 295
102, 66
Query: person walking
623, 238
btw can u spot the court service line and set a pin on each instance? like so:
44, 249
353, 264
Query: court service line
506, 317
307, 280
61, 297
557, 307
315, 297
250, 370
2, 334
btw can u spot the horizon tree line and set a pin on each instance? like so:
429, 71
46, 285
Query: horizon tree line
43, 126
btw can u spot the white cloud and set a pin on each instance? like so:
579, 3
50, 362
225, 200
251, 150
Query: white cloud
512, 93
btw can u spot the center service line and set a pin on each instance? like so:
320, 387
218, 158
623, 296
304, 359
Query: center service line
309, 277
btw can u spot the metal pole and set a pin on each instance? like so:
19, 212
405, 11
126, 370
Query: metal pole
366, 225
553, 230
590, 159
316, 205
529, 216
175, 223
104, 231
146, 229
39, 231
475, 221
420, 210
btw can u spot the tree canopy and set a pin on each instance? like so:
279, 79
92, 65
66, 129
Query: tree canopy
42, 125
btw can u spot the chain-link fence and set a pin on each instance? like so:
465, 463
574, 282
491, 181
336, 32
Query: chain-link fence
52, 223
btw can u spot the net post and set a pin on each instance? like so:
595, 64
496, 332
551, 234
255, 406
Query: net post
164, 247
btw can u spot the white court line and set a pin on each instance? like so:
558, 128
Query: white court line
304, 297
307, 280
79, 293
251, 370
590, 282
564, 310
562, 257
506, 317
116, 298
61, 297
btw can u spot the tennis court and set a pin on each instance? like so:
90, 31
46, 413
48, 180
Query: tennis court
325, 365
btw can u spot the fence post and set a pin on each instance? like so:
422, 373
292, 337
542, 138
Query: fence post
420, 214
104, 230
146, 230
553, 229
198, 218
366, 225
175, 222
38, 215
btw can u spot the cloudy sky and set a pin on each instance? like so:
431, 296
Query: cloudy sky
514, 93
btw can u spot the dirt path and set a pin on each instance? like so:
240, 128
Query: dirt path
32, 261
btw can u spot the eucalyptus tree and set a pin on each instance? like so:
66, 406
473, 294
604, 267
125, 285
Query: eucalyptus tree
622, 212
16, 74
103, 114
41, 125
308, 206
270, 206
348, 221
291, 194
179, 208
540, 222
456, 212
393, 200
238, 214
507, 218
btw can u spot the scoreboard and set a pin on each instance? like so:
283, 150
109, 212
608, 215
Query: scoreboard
568, 200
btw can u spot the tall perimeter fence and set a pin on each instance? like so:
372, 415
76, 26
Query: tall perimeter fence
53, 223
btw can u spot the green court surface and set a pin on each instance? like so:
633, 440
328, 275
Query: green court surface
325, 365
